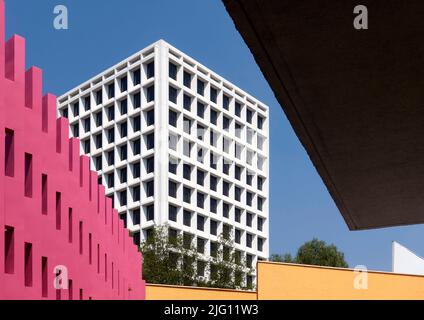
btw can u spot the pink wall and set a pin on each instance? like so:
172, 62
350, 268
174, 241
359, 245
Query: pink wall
39, 217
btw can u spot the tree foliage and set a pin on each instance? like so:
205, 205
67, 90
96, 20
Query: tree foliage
281, 258
173, 259
315, 252
161, 257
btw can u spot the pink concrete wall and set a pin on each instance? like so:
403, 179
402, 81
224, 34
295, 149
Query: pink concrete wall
102, 261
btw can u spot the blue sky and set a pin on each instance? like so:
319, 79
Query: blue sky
101, 33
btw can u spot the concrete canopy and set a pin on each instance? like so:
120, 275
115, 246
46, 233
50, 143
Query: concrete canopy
355, 98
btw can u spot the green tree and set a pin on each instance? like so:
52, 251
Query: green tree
282, 258
169, 258
315, 252
165, 258
227, 266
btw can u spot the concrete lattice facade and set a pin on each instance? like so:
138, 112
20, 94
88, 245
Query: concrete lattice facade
54, 216
176, 144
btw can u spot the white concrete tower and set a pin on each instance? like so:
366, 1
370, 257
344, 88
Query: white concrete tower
176, 144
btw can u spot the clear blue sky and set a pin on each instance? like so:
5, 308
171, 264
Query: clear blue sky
101, 33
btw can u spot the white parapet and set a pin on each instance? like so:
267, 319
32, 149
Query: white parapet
406, 261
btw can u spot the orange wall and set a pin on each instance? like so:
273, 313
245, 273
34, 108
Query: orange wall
165, 292
291, 281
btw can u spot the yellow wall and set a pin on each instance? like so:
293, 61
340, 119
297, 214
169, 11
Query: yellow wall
165, 292
288, 281
291, 281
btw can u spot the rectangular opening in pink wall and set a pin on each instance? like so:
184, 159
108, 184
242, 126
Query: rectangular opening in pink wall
9, 250
9, 154
113, 279
105, 266
28, 175
70, 225
44, 277
80, 237
58, 210
28, 264
70, 290
90, 251
44, 194
98, 258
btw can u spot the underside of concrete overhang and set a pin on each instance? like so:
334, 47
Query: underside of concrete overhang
355, 98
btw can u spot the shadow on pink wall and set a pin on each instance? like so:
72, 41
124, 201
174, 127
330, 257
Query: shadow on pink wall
54, 214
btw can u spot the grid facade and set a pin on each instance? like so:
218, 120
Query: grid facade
176, 144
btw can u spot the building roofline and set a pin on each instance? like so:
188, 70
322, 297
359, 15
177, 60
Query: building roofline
164, 43
335, 268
